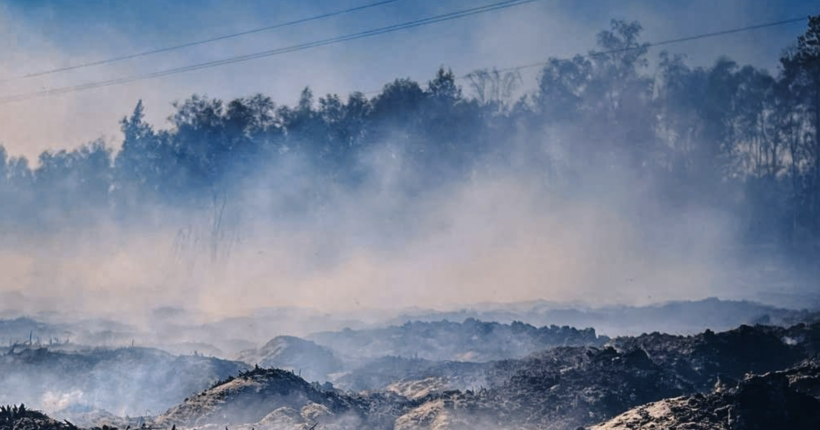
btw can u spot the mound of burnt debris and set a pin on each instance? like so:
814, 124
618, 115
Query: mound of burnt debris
556, 389
652, 379
701, 358
389, 372
560, 388
567, 388
309, 360
775, 400
19, 417
265, 397
121, 381
22, 418
470, 340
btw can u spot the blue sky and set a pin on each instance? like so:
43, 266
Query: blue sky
43, 34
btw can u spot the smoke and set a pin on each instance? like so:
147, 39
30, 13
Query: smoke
56, 402
123, 381
512, 229
504, 235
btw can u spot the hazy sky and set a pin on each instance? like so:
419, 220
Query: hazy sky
40, 34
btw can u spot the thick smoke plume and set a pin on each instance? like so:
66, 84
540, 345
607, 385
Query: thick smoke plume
612, 182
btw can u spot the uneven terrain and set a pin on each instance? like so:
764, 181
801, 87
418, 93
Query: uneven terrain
730, 379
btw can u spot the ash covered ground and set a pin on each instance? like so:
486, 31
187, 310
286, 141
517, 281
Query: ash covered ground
428, 375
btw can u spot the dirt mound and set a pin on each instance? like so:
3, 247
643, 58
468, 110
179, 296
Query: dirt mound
252, 396
777, 400
22, 418
571, 387
471, 340
699, 359
123, 381
311, 361
562, 388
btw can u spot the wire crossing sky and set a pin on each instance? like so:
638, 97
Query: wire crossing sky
376, 32
198, 42
279, 51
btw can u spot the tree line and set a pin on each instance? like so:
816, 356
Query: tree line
730, 136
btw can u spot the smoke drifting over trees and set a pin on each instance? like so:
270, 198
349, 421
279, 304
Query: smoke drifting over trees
614, 141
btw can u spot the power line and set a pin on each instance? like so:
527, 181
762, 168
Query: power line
294, 48
197, 42
665, 42
383, 30
645, 46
